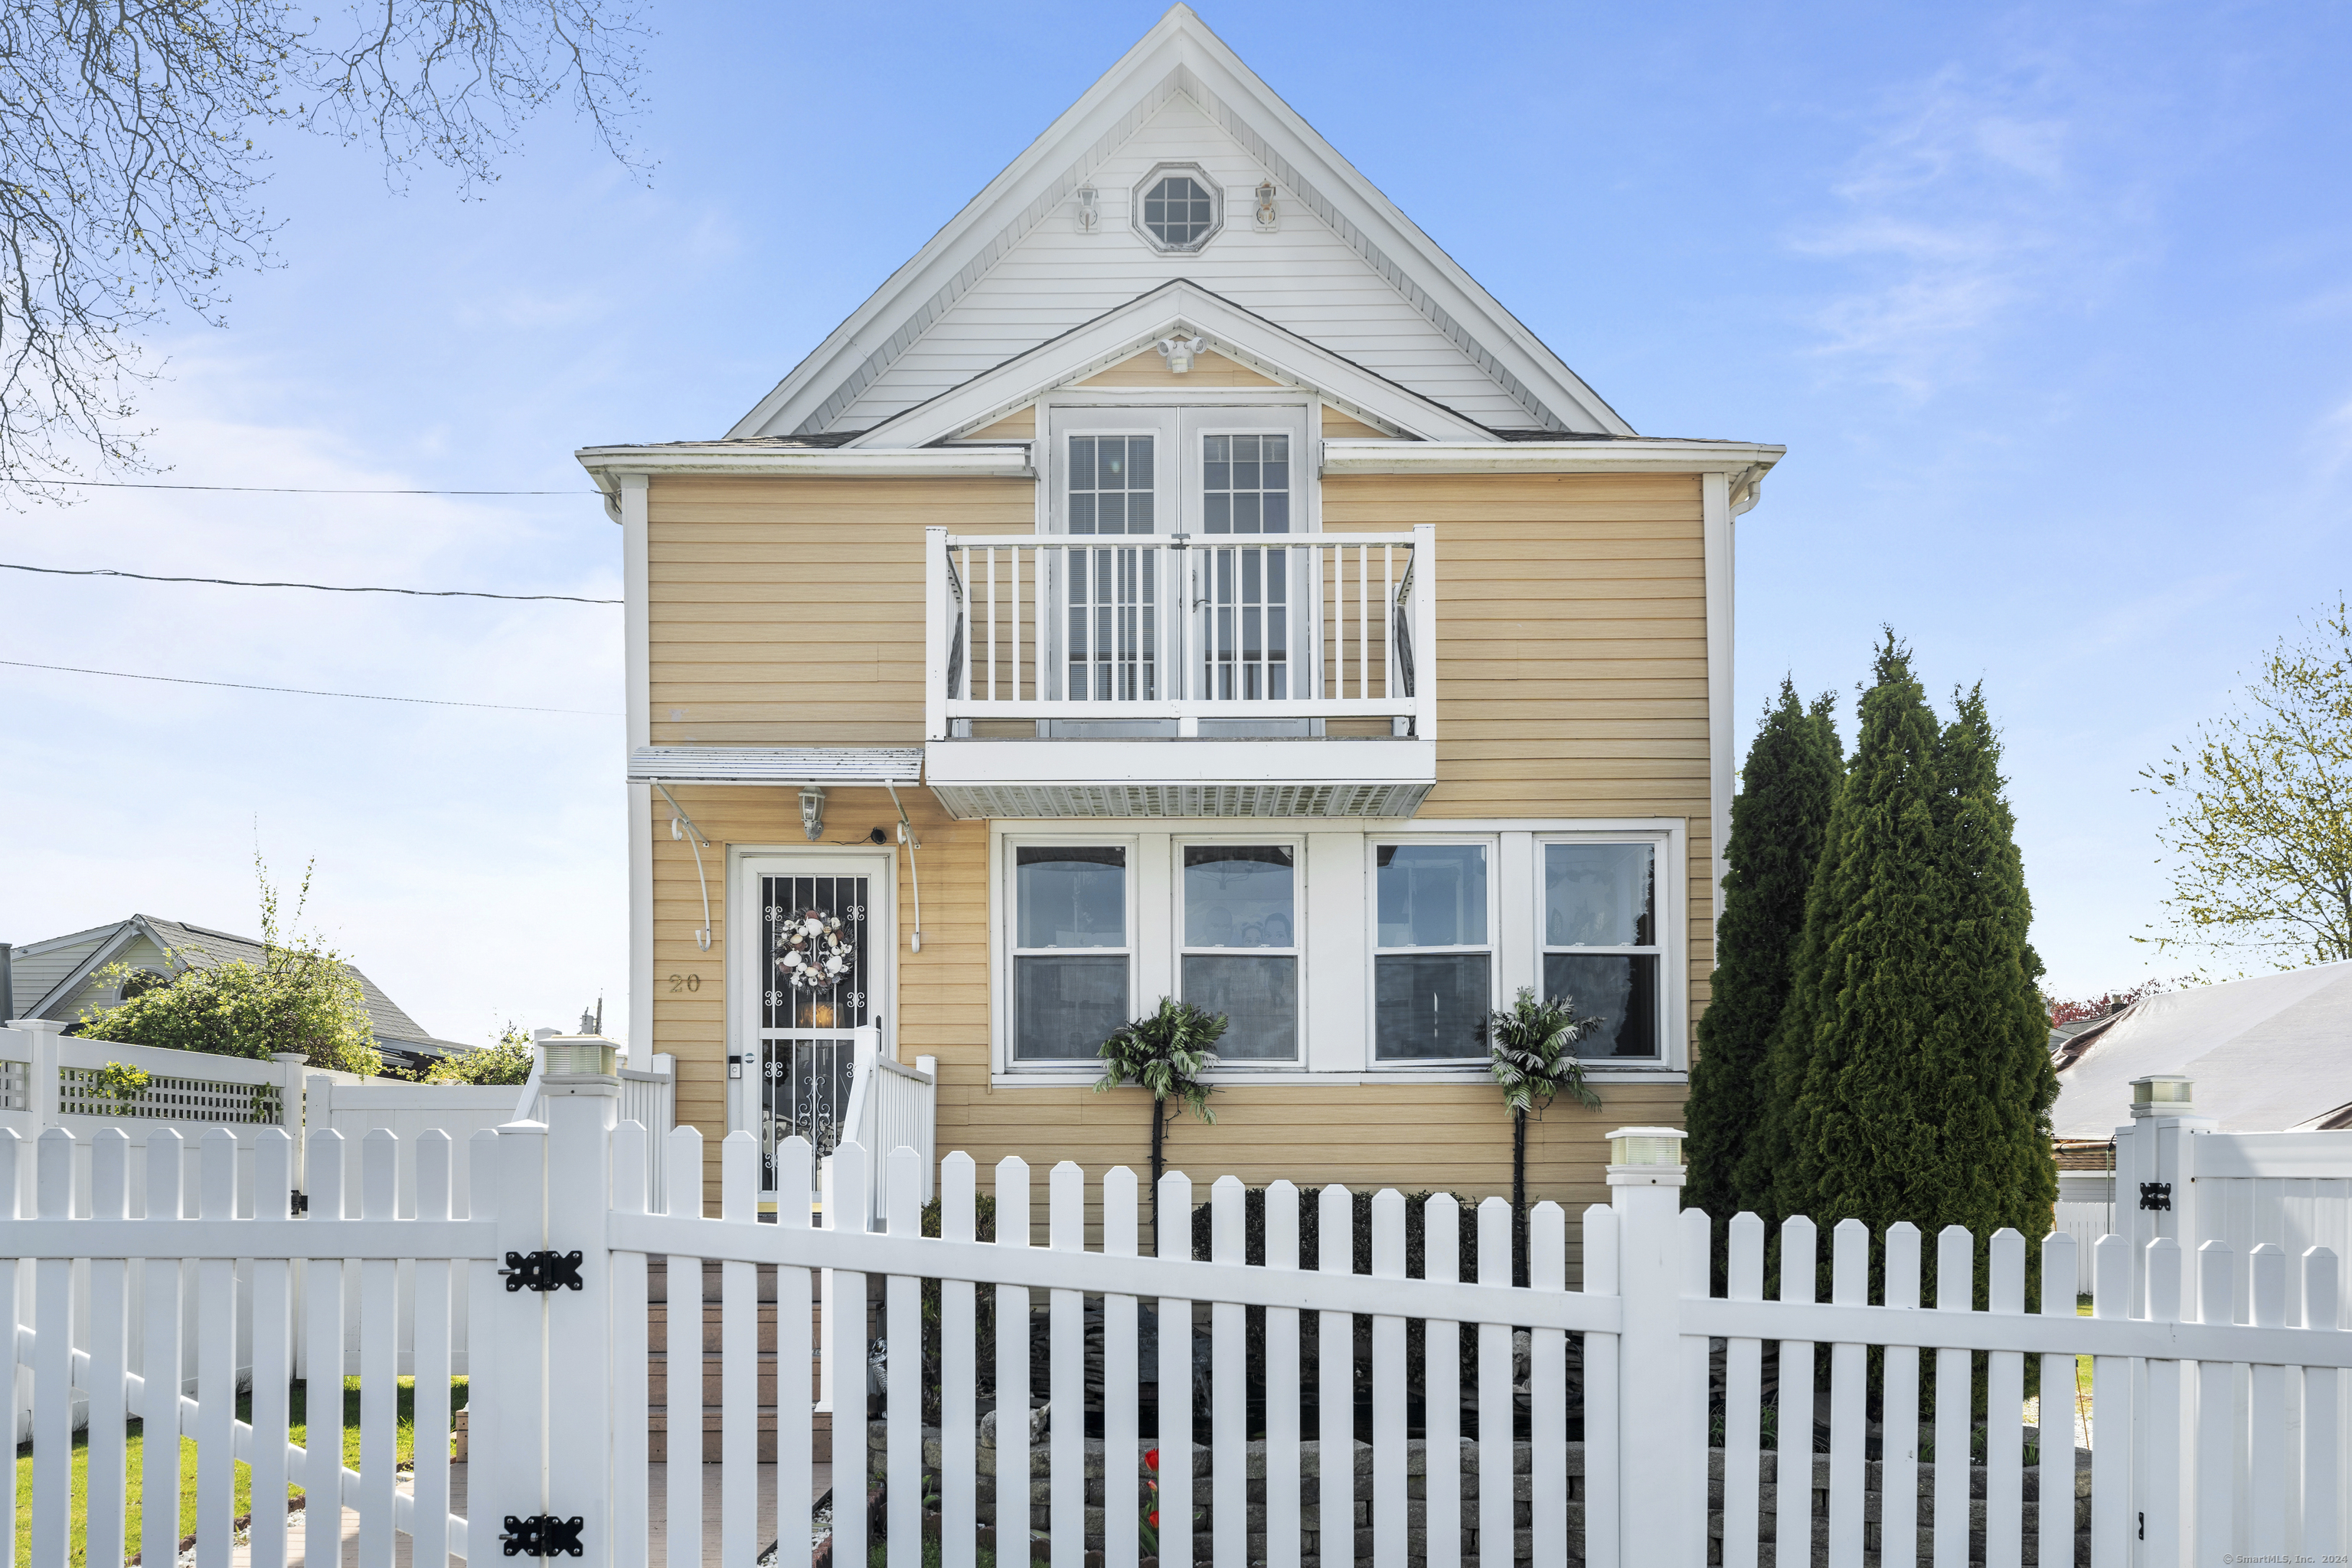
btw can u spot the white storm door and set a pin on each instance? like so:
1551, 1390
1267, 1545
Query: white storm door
806, 1000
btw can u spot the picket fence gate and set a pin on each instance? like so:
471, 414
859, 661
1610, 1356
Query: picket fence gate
2210, 1437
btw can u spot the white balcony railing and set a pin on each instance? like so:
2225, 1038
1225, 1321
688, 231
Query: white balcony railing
1200, 634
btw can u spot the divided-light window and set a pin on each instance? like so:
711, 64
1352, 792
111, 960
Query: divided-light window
1071, 953
1178, 211
1601, 948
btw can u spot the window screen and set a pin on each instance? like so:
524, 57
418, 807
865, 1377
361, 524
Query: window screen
1601, 951
1431, 966
1070, 950
1240, 954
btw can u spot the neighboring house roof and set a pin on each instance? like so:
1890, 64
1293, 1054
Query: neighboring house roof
2272, 1054
1343, 267
196, 947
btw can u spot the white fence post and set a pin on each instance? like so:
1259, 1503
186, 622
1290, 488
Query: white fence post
289, 1105
580, 1108
512, 1479
1645, 1180
41, 1079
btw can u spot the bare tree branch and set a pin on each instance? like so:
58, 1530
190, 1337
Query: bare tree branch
133, 146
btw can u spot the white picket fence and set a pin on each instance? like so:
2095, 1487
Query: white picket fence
2187, 1398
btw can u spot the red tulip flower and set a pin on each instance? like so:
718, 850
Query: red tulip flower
1155, 1519
1151, 1462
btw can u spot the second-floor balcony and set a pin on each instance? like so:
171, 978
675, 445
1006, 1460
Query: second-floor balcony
1284, 675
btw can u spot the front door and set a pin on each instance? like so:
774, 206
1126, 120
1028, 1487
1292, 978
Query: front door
816, 988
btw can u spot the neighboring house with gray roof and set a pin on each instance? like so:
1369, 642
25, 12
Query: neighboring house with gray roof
58, 978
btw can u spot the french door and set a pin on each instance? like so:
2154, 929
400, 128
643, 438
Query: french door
1227, 617
809, 997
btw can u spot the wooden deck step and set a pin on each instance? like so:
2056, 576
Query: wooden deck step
658, 1311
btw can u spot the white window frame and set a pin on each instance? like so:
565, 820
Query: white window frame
1297, 952
1666, 926
1338, 932
1200, 177
1374, 842
1005, 929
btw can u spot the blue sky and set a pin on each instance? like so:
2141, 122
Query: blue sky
2051, 306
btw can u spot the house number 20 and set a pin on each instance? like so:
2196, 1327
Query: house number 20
685, 982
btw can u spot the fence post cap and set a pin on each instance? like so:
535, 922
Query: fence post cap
2164, 1094
1646, 1157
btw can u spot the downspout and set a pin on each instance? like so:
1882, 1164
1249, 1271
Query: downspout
697, 843
906, 837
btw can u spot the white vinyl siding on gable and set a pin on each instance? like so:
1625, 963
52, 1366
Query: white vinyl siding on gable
1302, 277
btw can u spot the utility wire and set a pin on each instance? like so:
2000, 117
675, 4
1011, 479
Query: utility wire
304, 691
321, 587
286, 489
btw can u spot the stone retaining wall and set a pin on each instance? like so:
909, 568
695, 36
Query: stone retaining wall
1416, 1473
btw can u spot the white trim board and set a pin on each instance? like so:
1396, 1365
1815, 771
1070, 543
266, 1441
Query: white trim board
1180, 307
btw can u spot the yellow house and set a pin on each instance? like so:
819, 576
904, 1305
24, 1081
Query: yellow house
1178, 579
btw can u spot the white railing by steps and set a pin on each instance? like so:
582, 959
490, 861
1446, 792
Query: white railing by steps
1181, 628
1620, 1464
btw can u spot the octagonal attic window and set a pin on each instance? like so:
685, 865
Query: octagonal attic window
1179, 210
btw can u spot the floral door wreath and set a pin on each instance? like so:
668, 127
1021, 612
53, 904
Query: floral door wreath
815, 952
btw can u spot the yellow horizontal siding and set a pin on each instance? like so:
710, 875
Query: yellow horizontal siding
1572, 664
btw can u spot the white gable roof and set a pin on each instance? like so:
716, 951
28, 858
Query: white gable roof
2268, 1054
1344, 269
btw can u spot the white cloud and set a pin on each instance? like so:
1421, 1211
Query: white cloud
1972, 200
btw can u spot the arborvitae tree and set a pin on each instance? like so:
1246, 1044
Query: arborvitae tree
1779, 821
1911, 1069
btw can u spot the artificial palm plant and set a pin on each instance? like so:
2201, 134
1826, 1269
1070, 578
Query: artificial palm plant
1166, 1051
1531, 1051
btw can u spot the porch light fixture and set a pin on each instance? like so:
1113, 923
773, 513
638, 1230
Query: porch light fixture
1089, 208
2164, 1094
1179, 352
813, 812
1268, 216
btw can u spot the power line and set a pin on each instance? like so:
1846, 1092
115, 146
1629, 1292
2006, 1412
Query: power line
304, 691
321, 587
285, 490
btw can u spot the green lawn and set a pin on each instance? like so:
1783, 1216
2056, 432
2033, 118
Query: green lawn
135, 1464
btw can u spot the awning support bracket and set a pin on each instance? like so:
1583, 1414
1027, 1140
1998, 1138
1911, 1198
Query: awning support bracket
682, 827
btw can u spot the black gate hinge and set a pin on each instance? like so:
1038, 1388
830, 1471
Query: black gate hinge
542, 1271
2157, 1195
543, 1534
